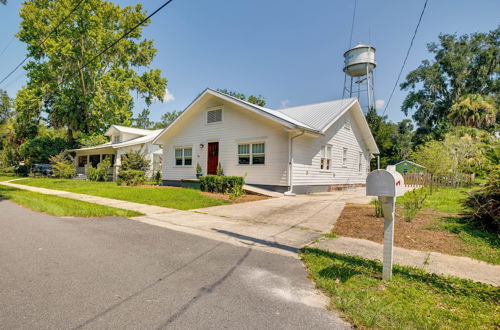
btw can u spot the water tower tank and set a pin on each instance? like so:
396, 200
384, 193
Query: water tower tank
359, 60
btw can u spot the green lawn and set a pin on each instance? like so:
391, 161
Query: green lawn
177, 198
7, 178
413, 299
443, 199
60, 206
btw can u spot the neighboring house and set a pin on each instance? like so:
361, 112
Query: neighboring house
122, 140
311, 148
407, 166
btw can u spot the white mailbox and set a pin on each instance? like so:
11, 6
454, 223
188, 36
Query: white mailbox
384, 183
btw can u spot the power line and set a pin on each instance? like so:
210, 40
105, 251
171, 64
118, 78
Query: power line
406, 57
44, 39
8, 44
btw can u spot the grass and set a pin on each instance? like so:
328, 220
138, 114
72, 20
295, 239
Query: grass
60, 206
443, 200
177, 198
481, 245
413, 299
7, 178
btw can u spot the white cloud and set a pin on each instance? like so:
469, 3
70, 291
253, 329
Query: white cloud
168, 96
284, 103
379, 104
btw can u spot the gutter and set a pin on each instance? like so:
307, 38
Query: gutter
290, 164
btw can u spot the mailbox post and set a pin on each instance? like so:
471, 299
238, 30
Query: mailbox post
386, 185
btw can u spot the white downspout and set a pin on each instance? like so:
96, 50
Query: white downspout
290, 164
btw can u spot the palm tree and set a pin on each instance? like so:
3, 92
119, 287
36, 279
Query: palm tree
474, 110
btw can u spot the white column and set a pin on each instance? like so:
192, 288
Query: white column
388, 206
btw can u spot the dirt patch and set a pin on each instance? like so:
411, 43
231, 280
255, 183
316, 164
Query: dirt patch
242, 199
359, 221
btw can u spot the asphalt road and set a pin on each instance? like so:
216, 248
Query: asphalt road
71, 273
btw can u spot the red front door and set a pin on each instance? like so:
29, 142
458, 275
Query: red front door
213, 157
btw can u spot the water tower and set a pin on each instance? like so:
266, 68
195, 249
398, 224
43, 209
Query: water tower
359, 63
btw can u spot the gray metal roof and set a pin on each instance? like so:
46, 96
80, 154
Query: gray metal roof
318, 115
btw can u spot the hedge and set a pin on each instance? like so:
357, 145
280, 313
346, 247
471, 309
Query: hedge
131, 177
222, 184
7, 171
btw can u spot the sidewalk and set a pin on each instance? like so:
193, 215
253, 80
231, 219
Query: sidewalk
284, 238
433, 262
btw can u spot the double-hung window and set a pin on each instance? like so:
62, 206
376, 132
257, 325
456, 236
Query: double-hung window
326, 157
344, 157
251, 154
116, 138
183, 156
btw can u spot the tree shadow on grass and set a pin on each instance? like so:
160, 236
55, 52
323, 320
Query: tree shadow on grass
457, 225
345, 267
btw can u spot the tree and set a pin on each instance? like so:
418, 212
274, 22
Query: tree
73, 91
5, 107
257, 100
467, 64
142, 120
167, 119
436, 158
40, 149
474, 110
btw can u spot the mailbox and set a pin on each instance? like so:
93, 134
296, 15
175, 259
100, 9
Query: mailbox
384, 183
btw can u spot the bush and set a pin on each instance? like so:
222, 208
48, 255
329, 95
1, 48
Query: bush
134, 160
379, 213
222, 184
131, 177
22, 170
7, 171
484, 204
413, 202
101, 172
157, 178
63, 166
41, 149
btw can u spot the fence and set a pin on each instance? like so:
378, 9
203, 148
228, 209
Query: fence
441, 181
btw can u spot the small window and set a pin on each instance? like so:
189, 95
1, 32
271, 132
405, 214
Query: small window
344, 157
326, 157
360, 164
183, 156
347, 125
214, 116
116, 138
82, 161
251, 154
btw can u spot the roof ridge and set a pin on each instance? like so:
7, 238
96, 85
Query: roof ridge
318, 103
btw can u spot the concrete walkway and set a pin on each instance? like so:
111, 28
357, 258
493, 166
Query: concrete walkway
433, 262
246, 225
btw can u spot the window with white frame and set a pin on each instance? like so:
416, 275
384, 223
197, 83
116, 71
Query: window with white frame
360, 163
251, 154
183, 156
326, 157
214, 116
116, 138
344, 157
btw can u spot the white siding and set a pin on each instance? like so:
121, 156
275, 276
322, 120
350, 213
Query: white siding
238, 126
307, 158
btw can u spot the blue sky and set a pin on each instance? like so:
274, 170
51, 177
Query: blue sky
289, 51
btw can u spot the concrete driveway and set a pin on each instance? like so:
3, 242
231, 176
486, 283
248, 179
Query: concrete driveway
70, 273
317, 212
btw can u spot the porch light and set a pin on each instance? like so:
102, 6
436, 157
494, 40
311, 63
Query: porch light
202, 146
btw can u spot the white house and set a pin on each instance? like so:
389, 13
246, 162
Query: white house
121, 141
310, 148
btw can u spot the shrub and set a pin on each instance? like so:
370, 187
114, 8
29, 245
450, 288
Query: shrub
63, 166
222, 184
379, 213
220, 170
101, 172
41, 149
22, 170
134, 160
413, 202
131, 177
484, 204
157, 177
7, 171
198, 168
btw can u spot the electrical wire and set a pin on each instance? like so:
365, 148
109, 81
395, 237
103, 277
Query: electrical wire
406, 57
43, 40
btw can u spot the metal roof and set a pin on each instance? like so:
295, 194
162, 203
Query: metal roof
140, 140
319, 115
131, 130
